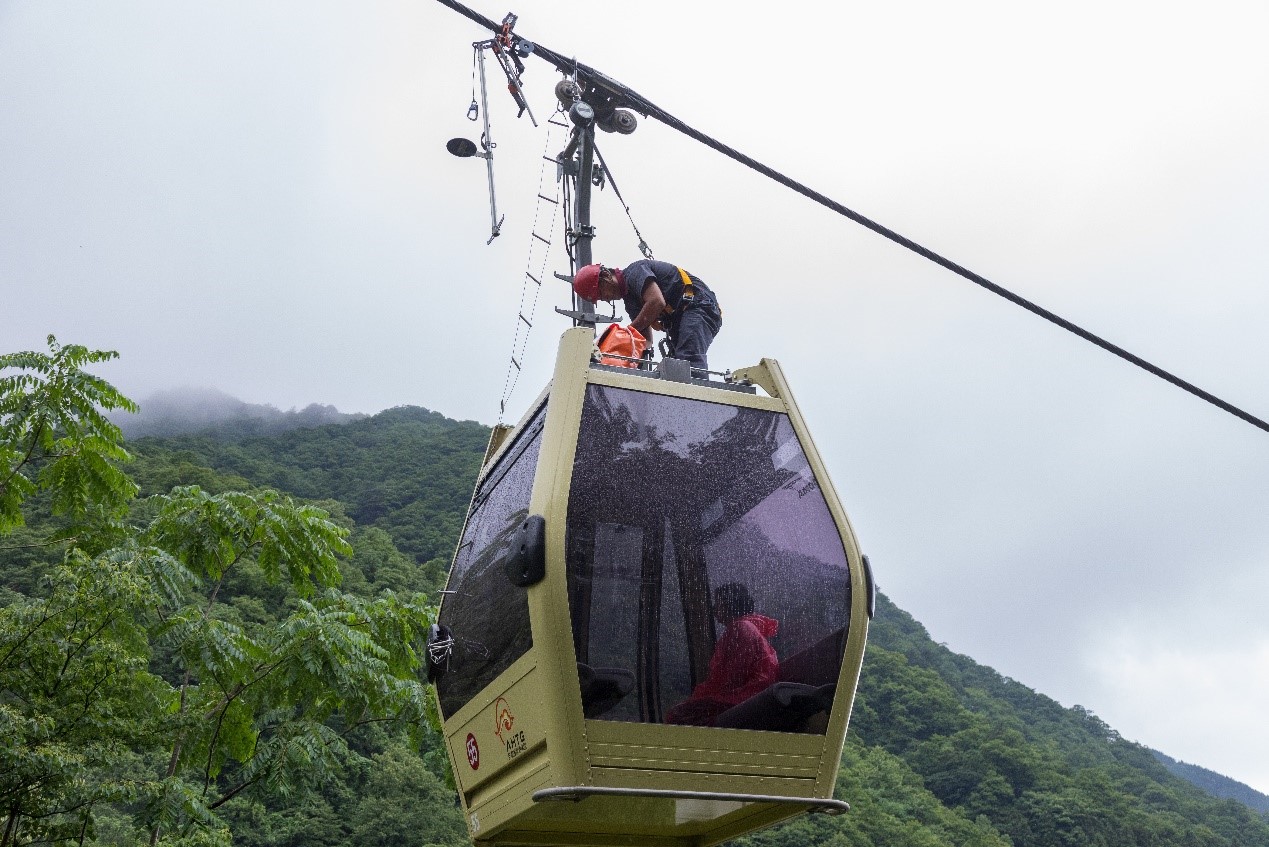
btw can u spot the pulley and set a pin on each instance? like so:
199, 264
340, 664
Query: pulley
567, 91
621, 121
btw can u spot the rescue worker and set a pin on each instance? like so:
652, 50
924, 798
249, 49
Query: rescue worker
659, 295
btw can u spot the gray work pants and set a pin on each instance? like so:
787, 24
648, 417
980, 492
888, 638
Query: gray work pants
693, 331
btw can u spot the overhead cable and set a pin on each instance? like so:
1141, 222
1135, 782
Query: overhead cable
633, 100
612, 180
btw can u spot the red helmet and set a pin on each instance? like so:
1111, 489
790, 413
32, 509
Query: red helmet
586, 282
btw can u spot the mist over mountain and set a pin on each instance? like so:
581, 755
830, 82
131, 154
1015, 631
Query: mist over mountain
1214, 783
191, 409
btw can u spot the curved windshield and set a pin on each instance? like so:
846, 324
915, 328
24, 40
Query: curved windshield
708, 583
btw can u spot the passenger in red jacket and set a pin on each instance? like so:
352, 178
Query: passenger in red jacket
743, 664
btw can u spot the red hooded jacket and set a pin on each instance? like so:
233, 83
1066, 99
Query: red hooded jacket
743, 663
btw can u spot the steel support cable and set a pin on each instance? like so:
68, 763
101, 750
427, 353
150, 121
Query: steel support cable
612, 180
647, 108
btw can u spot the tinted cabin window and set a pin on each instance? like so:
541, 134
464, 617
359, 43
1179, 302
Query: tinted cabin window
705, 571
487, 614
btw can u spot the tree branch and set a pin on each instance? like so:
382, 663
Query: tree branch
71, 540
10, 827
236, 791
35, 440
243, 686
30, 632
70, 654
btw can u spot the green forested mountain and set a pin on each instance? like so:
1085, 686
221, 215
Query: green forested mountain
1214, 783
407, 470
942, 751
989, 747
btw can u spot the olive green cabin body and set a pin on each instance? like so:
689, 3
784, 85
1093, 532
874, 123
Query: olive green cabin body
580, 649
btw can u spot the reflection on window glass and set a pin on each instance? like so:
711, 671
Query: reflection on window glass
614, 619
489, 616
708, 583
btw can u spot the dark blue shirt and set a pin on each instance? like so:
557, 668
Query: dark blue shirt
667, 278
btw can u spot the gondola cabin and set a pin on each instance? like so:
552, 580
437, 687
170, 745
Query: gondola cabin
656, 615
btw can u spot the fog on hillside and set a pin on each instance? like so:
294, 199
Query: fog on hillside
196, 409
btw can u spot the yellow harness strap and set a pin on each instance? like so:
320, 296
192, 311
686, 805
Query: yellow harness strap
687, 291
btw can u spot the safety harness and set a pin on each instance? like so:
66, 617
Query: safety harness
686, 298
688, 294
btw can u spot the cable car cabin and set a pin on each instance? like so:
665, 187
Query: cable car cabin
656, 615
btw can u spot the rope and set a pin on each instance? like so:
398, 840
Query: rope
473, 111
643, 245
524, 323
631, 99
570, 241
568, 228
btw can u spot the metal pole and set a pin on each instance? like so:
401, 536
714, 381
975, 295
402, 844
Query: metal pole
585, 232
495, 225
582, 144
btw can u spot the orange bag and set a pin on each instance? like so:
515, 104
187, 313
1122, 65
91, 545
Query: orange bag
621, 341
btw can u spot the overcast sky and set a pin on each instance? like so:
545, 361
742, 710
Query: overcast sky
256, 197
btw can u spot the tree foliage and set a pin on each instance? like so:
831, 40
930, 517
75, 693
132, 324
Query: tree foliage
144, 683
406, 471
54, 435
76, 697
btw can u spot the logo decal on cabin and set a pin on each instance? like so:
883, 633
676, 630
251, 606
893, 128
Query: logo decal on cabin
504, 723
503, 719
473, 752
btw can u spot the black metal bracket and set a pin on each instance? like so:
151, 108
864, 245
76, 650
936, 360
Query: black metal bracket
872, 587
586, 317
675, 370
527, 563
